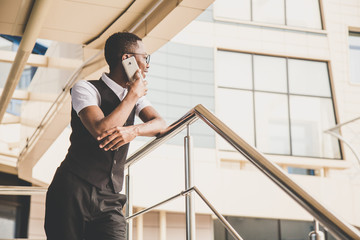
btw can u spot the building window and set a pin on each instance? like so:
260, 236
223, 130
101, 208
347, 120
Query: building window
262, 229
181, 77
280, 105
14, 210
354, 46
304, 13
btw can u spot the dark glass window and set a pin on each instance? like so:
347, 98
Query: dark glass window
14, 210
266, 229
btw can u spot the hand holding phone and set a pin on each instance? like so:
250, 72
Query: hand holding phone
130, 66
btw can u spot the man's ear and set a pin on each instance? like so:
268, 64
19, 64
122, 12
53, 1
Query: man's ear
125, 56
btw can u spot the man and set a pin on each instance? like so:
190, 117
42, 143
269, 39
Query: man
83, 200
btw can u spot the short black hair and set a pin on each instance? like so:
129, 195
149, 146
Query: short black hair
117, 45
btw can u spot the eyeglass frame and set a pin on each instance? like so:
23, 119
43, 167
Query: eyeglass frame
147, 56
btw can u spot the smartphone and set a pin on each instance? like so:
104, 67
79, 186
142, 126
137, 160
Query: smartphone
131, 67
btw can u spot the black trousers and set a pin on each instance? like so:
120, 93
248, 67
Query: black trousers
76, 210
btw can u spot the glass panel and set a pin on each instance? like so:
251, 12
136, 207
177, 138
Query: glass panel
7, 221
233, 9
5, 44
272, 123
328, 235
219, 230
173, 90
354, 45
304, 13
309, 118
239, 119
254, 228
295, 230
309, 78
270, 74
234, 70
268, 11
5, 70
301, 171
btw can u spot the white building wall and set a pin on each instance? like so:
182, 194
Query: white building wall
247, 192
235, 187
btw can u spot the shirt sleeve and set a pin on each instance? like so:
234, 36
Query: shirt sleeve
84, 94
141, 104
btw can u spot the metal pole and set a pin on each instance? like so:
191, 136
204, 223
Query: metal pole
226, 224
189, 199
129, 207
316, 234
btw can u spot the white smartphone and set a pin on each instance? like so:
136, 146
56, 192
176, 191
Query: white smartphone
131, 67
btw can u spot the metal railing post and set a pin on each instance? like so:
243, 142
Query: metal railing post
129, 207
316, 234
338, 227
189, 199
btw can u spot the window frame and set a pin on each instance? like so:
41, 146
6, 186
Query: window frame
352, 32
332, 97
274, 25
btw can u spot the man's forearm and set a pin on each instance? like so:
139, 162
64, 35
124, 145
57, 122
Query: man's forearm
114, 138
95, 121
150, 128
119, 116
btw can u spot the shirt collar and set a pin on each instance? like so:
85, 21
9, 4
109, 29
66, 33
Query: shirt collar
116, 88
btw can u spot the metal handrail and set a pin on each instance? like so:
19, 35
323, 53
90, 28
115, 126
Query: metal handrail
205, 200
329, 220
332, 132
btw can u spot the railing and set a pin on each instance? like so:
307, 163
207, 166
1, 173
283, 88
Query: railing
336, 132
329, 220
334, 224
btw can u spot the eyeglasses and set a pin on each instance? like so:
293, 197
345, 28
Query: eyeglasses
147, 56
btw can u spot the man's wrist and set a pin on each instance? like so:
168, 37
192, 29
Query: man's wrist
135, 130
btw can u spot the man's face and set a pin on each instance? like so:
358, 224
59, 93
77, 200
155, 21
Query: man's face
141, 56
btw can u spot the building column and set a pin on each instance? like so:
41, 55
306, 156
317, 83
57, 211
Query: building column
140, 226
162, 225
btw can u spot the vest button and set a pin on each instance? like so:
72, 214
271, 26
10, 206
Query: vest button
114, 161
112, 175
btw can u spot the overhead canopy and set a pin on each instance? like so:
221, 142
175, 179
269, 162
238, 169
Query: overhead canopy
84, 22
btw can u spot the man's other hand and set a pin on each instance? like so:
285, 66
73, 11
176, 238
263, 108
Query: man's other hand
115, 137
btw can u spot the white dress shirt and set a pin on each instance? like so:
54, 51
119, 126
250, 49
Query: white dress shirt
84, 94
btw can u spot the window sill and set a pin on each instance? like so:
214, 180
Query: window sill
274, 26
322, 165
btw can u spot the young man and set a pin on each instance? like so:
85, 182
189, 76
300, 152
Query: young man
83, 200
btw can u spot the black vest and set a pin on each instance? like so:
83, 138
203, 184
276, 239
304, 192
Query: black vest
86, 159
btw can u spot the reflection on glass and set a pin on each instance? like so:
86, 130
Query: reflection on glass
354, 45
234, 70
308, 78
7, 221
295, 229
5, 70
270, 74
254, 228
275, 80
272, 123
268, 11
304, 13
309, 117
266, 229
235, 109
233, 9
301, 171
